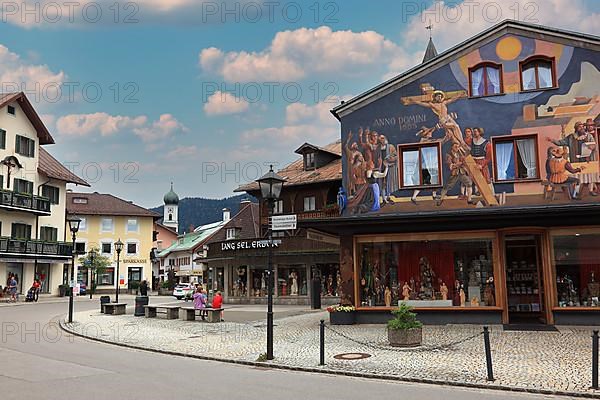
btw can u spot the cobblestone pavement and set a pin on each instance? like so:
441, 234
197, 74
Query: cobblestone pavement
539, 361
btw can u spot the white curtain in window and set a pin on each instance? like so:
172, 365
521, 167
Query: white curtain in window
504, 153
493, 77
476, 77
528, 77
410, 162
429, 156
545, 75
528, 154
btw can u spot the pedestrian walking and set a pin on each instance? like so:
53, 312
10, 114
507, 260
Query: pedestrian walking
144, 288
12, 287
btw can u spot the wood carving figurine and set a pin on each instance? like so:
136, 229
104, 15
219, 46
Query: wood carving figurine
444, 291
388, 297
406, 289
462, 297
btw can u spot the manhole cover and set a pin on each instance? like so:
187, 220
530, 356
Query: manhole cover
351, 356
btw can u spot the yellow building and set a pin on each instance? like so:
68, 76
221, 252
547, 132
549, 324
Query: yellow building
104, 220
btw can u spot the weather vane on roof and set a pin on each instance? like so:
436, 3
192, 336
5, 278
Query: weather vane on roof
429, 28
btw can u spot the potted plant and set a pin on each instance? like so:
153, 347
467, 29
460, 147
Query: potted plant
341, 315
404, 330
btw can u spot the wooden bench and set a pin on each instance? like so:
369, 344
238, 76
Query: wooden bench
171, 312
114, 308
550, 188
189, 314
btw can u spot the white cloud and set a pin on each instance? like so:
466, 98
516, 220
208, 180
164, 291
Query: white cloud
293, 55
221, 103
18, 75
181, 151
97, 123
166, 126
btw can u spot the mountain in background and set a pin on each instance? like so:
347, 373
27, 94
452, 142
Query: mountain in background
198, 211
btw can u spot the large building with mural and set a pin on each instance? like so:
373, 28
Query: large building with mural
472, 183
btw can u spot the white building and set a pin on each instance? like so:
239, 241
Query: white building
33, 241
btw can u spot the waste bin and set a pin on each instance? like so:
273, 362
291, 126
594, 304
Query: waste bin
140, 302
315, 298
104, 300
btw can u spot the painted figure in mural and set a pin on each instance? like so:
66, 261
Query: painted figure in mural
481, 150
388, 164
366, 198
426, 136
582, 148
458, 173
356, 163
590, 128
439, 106
557, 168
368, 143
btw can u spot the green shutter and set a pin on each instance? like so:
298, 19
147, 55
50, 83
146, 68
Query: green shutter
31, 151
18, 144
2, 139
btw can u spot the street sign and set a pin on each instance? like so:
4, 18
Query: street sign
283, 222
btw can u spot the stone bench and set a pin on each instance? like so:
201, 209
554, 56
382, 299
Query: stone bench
114, 308
189, 314
550, 189
171, 312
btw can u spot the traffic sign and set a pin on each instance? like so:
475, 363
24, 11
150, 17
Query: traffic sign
283, 222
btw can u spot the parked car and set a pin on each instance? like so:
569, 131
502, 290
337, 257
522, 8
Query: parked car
82, 288
184, 291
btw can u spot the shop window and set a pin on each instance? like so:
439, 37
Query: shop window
106, 277
431, 273
52, 193
24, 146
420, 165
258, 282
48, 234
310, 203
485, 79
577, 263
239, 281
537, 73
516, 159
291, 281
330, 277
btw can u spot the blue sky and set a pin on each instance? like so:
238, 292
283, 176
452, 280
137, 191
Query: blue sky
207, 99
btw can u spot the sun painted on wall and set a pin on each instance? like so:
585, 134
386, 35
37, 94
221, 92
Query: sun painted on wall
509, 51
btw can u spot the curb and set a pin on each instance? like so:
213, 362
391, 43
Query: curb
64, 326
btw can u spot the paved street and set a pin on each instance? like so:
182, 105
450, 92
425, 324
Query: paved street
54, 364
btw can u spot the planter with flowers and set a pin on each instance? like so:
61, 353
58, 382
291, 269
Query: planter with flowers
342, 315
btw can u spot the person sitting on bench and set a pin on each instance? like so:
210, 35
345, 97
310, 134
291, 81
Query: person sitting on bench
200, 301
217, 303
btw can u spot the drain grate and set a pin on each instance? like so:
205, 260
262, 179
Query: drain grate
351, 356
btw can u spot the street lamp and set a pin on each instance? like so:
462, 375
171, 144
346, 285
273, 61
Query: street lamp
270, 188
74, 228
118, 249
92, 254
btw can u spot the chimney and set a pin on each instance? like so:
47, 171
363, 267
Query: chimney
226, 214
191, 228
245, 201
529, 112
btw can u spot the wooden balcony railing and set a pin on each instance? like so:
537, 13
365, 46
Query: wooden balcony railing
329, 212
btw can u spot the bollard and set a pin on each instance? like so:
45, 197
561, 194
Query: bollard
322, 344
488, 353
595, 360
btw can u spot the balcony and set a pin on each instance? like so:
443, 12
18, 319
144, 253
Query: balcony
34, 247
24, 202
331, 211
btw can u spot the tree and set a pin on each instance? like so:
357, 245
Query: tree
97, 263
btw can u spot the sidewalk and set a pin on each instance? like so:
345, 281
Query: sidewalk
50, 299
542, 362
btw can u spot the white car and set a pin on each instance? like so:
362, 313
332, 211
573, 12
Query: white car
184, 291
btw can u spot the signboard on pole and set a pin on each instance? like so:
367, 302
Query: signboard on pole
283, 222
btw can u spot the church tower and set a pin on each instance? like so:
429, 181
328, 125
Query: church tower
170, 218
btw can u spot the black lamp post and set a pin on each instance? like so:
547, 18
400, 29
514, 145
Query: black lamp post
270, 189
92, 255
118, 249
74, 228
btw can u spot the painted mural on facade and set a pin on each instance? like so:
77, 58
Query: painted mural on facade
512, 123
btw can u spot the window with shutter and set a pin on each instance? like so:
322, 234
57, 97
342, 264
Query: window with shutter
2, 139
23, 186
48, 234
20, 231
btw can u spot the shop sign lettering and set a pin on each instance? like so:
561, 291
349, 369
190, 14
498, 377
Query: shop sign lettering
246, 245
